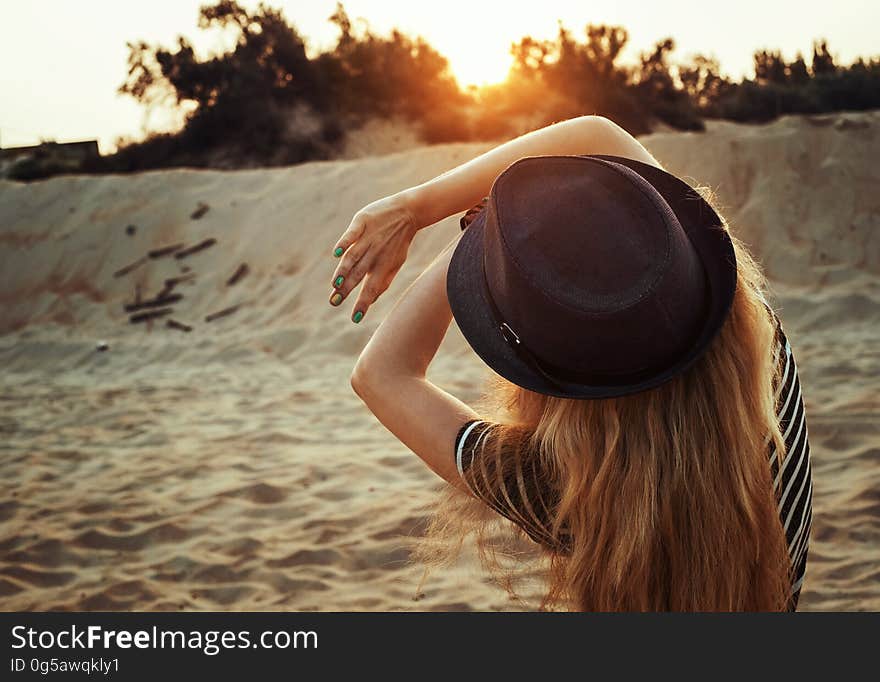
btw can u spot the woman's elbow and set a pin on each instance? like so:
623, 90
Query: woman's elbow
359, 379
364, 378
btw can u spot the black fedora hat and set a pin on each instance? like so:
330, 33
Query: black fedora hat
591, 276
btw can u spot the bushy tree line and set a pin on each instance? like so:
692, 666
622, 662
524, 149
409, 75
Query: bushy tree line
267, 102
565, 77
781, 87
568, 77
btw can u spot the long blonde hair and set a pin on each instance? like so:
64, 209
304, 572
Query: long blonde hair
665, 496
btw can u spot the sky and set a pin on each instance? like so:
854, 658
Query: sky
61, 61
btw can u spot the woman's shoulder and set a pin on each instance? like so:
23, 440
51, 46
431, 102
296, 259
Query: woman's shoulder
494, 444
781, 345
470, 438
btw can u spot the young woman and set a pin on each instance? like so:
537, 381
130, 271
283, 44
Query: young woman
644, 423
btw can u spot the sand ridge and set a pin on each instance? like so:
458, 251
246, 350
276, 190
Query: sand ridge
231, 467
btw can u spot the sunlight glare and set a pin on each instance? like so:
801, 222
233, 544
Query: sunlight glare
478, 63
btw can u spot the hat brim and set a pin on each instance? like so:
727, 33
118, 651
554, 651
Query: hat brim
472, 312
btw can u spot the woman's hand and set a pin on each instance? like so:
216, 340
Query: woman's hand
372, 250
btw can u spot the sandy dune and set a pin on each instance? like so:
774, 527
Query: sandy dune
231, 467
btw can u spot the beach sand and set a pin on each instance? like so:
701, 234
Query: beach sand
232, 468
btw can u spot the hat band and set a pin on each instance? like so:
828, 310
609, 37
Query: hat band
512, 338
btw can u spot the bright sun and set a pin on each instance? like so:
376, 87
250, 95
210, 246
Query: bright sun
473, 64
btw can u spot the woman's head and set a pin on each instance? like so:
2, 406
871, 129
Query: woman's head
666, 495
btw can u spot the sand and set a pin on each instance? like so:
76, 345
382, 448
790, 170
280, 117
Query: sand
232, 468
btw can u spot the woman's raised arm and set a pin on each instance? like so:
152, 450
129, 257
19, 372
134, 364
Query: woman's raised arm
390, 373
375, 245
461, 187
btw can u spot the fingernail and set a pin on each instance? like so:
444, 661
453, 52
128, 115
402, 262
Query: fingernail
336, 299
358, 316
338, 281
338, 251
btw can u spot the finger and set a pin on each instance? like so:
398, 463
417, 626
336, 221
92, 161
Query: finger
351, 270
350, 236
355, 275
374, 286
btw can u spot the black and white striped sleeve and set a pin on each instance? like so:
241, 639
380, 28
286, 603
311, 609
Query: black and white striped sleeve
510, 485
792, 477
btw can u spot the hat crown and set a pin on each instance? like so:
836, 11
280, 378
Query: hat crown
588, 265
588, 240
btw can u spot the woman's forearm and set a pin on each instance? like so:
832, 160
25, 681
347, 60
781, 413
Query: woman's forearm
390, 374
463, 186
408, 338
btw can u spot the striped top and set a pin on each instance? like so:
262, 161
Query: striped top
525, 502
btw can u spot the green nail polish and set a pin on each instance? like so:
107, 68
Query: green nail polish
336, 299
338, 281
358, 316
338, 251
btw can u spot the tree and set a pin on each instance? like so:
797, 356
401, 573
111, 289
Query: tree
243, 98
660, 94
770, 67
823, 62
583, 77
702, 81
798, 73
